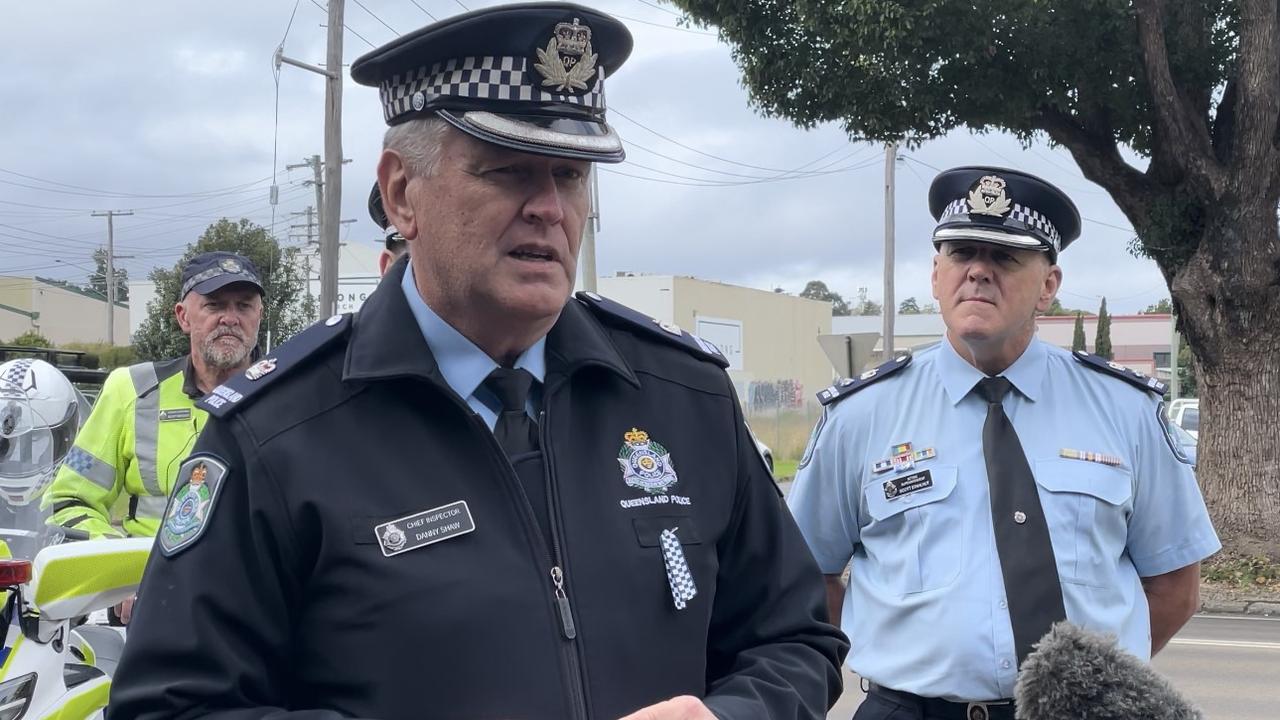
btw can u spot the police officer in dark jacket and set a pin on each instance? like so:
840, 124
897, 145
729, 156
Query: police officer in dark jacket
479, 497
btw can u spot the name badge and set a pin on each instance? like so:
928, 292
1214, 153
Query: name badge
425, 528
907, 484
175, 414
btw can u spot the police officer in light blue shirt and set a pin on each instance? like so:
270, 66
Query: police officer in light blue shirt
993, 483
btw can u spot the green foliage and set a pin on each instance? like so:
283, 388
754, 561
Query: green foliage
286, 309
1056, 308
818, 290
31, 338
1188, 378
1102, 340
105, 356
1255, 571
909, 307
98, 279
911, 71
1163, 307
867, 307
1077, 338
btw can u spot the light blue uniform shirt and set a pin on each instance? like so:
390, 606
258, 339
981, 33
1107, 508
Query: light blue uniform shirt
465, 366
925, 609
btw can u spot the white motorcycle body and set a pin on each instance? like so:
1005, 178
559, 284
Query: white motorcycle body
50, 667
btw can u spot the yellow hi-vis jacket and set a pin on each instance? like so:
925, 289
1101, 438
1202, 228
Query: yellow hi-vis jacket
141, 429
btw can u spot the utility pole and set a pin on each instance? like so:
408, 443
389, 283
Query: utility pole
332, 207
587, 256
111, 270
1175, 387
330, 194
890, 159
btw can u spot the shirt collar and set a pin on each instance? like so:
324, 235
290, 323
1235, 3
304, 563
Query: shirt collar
463, 365
959, 377
189, 386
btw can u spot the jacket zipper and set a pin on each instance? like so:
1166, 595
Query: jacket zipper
573, 653
559, 597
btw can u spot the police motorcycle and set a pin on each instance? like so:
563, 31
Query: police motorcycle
53, 664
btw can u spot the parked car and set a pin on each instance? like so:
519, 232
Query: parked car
1185, 413
1185, 441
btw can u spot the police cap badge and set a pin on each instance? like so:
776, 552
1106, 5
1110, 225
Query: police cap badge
1004, 207
529, 77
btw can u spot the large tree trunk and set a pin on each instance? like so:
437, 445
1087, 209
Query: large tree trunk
1229, 299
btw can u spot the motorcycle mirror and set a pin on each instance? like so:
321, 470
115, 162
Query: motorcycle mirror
14, 572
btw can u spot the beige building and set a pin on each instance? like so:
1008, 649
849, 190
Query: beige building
61, 313
1141, 342
770, 339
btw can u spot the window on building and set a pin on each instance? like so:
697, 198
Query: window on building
1162, 359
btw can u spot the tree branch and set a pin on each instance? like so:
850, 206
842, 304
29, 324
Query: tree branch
1175, 120
1258, 76
1224, 123
1100, 161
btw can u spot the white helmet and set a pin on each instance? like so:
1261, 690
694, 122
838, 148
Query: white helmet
40, 414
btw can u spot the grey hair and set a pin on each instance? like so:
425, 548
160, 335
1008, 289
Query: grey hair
418, 141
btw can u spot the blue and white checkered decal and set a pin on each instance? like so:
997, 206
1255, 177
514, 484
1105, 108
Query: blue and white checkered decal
679, 577
17, 372
1021, 213
480, 78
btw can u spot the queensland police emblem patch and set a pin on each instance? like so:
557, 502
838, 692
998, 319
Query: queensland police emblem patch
646, 465
199, 480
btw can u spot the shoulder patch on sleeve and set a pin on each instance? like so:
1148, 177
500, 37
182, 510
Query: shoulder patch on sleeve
848, 386
195, 495
240, 388
1115, 369
619, 314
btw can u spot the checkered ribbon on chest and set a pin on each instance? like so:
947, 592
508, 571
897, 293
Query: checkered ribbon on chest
679, 577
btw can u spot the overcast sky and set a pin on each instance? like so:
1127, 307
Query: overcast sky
168, 109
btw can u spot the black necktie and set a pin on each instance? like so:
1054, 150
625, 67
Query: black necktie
516, 432
1030, 571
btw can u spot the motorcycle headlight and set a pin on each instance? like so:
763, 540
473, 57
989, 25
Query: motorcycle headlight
15, 696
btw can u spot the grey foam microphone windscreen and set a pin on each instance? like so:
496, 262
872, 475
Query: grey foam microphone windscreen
1075, 674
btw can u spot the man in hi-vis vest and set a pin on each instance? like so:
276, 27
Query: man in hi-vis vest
145, 420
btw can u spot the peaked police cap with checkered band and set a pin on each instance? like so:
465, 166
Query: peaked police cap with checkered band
529, 77
1004, 207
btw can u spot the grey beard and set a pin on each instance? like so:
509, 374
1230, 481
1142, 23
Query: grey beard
221, 358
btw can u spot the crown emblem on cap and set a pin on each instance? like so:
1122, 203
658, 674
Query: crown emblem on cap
635, 437
987, 197
231, 265
567, 62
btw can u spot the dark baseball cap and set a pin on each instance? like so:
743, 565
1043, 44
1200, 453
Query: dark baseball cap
211, 271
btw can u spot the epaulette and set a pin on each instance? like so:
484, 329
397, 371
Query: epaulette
668, 332
848, 386
1103, 365
240, 388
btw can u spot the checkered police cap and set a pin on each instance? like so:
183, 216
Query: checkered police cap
529, 77
1001, 206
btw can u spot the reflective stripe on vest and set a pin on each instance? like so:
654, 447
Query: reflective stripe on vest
146, 424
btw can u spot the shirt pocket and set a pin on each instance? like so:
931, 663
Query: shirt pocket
916, 541
1087, 507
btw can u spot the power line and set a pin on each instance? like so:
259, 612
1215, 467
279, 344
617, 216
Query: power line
656, 6
428, 14
703, 182
691, 31
713, 170
374, 15
325, 10
108, 193
690, 148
